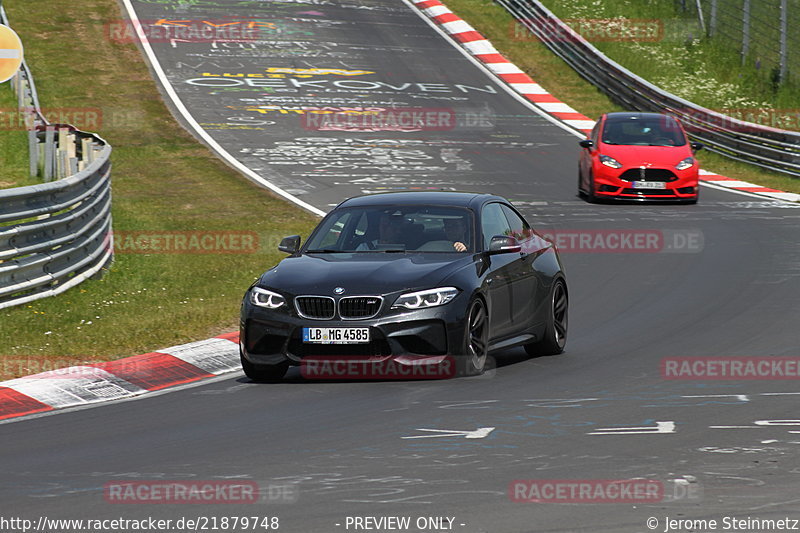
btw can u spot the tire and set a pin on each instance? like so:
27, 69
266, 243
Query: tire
580, 183
555, 331
590, 196
263, 373
476, 339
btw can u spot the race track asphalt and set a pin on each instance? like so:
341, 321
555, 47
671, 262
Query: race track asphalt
722, 282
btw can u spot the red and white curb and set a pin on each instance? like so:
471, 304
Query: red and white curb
482, 49
115, 380
745, 186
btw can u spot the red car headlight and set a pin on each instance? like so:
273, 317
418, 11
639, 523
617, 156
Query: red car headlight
610, 161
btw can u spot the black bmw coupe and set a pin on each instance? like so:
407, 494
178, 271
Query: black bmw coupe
418, 279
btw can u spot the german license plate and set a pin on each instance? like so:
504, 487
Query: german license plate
336, 335
649, 185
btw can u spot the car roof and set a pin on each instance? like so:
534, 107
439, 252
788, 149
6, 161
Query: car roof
626, 115
449, 198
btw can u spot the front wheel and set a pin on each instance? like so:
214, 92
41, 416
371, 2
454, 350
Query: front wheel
476, 339
261, 373
580, 184
555, 331
591, 197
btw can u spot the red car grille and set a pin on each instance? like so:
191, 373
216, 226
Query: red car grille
648, 174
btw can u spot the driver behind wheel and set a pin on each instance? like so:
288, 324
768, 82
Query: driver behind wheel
390, 231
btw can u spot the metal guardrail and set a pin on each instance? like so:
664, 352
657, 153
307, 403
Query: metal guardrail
56, 234
770, 148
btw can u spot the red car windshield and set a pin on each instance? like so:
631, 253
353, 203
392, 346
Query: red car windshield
661, 131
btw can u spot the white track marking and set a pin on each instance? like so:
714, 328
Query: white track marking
479, 433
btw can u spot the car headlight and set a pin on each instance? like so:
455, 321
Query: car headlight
686, 163
264, 298
610, 161
427, 298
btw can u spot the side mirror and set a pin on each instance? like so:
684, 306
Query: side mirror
504, 244
290, 245
697, 146
586, 143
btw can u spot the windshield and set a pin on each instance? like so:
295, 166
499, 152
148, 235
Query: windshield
651, 131
386, 229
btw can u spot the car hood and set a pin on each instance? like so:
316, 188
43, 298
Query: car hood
658, 156
361, 273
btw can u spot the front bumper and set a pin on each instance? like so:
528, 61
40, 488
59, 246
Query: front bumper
609, 185
425, 336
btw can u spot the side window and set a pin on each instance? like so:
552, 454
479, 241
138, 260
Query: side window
519, 228
333, 233
493, 222
361, 227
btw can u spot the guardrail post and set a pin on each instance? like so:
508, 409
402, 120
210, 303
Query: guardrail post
62, 164
784, 39
745, 30
33, 152
73, 166
700, 16
87, 151
40, 147
62, 157
21, 93
712, 23
72, 161
49, 152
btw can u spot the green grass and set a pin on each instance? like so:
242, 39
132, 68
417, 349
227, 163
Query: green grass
13, 143
163, 181
493, 21
682, 60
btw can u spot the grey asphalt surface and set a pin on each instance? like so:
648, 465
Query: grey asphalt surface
724, 283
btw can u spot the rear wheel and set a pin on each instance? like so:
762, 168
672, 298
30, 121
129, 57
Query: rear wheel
476, 338
262, 373
555, 332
